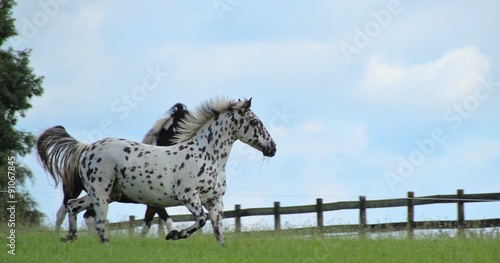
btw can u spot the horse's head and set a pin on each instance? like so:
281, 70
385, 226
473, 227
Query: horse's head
178, 111
251, 131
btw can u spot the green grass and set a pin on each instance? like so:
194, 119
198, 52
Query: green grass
44, 246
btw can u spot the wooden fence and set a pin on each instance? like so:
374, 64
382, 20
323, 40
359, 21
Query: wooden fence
362, 205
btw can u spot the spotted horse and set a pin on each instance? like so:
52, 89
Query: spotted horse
161, 134
189, 173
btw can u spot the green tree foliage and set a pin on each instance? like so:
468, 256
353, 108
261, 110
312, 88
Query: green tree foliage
18, 84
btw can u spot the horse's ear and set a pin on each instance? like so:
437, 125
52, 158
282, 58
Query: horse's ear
248, 103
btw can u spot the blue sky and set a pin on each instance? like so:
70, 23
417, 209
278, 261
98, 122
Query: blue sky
372, 98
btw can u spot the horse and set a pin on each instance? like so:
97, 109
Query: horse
162, 135
189, 173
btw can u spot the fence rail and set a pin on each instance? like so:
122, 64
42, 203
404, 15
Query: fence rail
362, 205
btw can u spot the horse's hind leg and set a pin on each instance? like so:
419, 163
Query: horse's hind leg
100, 188
75, 206
70, 192
61, 214
101, 212
102, 196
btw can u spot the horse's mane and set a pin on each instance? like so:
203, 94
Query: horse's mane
153, 134
208, 110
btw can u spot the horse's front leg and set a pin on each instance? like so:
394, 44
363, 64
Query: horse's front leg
162, 213
193, 204
148, 218
215, 212
75, 206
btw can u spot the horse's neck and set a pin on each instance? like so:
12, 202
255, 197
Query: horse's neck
217, 136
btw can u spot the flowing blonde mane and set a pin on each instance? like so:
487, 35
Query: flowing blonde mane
204, 113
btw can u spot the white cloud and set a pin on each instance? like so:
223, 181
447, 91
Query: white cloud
468, 164
478, 152
314, 127
77, 38
329, 186
217, 65
71, 55
355, 140
320, 139
437, 83
278, 132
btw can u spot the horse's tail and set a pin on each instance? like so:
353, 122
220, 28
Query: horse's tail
59, 154
177, 112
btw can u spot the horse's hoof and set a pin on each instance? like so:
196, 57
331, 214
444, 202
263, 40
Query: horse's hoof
172, 235
68, 239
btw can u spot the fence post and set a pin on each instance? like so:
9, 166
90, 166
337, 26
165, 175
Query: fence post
362, 215
319, 213
131, 220
411, 215
237, 219
277, 220
461, 212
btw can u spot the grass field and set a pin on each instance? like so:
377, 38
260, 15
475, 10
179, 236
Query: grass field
44, 246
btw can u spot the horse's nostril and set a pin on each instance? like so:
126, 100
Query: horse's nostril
270, 151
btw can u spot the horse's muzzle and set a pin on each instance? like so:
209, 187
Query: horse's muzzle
270, 151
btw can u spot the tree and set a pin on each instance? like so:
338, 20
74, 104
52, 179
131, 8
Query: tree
18, 84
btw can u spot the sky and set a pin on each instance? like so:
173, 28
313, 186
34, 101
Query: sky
373, 98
